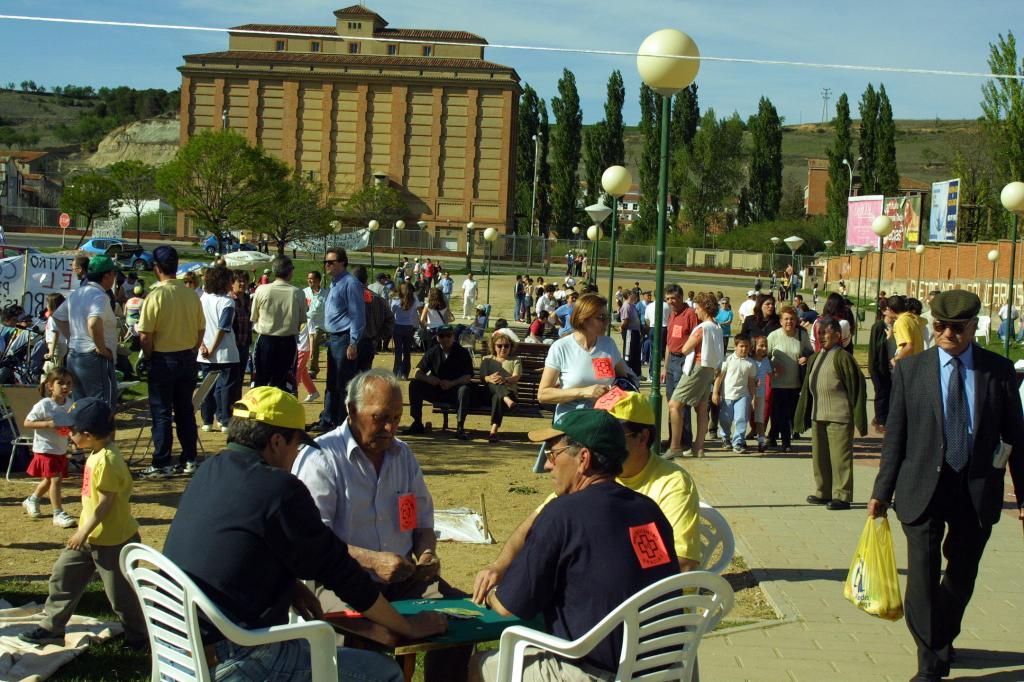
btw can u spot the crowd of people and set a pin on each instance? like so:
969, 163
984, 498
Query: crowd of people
346, 519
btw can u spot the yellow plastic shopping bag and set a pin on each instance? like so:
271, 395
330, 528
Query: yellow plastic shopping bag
873, 584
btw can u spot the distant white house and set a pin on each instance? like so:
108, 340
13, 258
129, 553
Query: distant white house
148, 206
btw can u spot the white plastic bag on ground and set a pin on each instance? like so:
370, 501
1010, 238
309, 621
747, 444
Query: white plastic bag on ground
461, 525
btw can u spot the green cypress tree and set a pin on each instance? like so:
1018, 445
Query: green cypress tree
646, 224
567, 146
765, 181
528, 125
868, 146
682, 129
837, 191
614, 147
544, 172
594, 143
887, 177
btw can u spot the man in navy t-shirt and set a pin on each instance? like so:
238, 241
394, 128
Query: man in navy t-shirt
590, 549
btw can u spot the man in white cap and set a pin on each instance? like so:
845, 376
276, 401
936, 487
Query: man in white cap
747, 307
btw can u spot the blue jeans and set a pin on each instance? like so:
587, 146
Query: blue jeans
219, 400
340, 371
1006, 326
403, 336
289, 661
732, 420
519, 307
172, 381
673, 373
93, 376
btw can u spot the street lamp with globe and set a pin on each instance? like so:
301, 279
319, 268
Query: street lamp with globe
398, 224
993, 257
919, 250
1012, 198
576, 233
372, 226
490, 236
860, 252
667, 61
598, 213
594, 234
615, 181
881, 226
794, 243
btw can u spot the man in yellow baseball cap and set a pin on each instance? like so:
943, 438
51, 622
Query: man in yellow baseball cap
248, 531
665, 482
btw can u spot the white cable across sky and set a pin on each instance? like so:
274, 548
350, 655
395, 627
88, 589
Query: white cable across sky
532, 48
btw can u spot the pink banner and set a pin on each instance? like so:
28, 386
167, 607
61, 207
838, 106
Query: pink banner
862, 212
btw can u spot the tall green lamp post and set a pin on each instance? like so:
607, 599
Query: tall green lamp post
594, 234
372, 226
919, 250
993, 258
490, 236
860, 252
615, 181
1012, 198
598, 213
667, 61
882, 227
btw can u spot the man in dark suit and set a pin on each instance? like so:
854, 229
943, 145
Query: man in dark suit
952, 408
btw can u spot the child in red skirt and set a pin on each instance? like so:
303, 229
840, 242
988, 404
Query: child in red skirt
49, 419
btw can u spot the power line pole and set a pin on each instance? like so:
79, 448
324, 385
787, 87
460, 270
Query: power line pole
826, 95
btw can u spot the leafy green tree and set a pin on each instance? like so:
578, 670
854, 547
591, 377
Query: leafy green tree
136, 184
1002, 106
682, 128
713, 169
979, 191
382, 203
646, 224
887, 176
298, 210
566, 149
593, 160
614, 147
837, 191
792, 204
528, 126
218, 180
868, 144
544, 209
89, 195
765, 180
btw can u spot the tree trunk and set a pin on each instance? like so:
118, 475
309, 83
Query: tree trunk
88, 228
138, 230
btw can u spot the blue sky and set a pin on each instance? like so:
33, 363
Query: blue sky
934, 34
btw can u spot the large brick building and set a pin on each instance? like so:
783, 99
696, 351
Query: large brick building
358, 102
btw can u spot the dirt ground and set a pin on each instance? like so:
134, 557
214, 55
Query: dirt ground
457, 472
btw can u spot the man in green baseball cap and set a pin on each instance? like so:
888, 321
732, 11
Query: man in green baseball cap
86, 319
590, 549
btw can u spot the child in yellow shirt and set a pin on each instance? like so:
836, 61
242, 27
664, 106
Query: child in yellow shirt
105, 526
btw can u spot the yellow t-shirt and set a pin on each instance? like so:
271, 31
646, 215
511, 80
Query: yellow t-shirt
906, 329
106, 470
173, 314
672, 488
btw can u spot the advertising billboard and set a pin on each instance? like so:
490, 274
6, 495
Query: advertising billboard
905, 213
945, 210
862, 211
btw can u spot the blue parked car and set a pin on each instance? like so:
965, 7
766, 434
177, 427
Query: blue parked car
229, 243
120, 250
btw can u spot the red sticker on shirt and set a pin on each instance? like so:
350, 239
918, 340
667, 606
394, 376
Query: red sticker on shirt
603, 368
86, 479
677, 331
407, 512
64, 431
608, 400
648, 545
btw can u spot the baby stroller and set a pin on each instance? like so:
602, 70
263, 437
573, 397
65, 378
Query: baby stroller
23, 358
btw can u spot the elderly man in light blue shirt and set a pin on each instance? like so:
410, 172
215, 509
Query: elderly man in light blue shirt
370, 491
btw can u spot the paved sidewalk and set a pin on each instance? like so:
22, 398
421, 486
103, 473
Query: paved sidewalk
802, 554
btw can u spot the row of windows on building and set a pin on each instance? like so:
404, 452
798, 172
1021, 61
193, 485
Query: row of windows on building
353, 47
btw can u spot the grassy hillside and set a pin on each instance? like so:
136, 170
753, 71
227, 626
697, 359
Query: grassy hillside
31, 115
924, 149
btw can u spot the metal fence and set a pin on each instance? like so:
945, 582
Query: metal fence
163, 222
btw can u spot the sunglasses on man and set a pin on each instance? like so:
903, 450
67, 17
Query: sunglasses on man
941, 325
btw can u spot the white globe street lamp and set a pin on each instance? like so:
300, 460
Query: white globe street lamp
881, 226
490, 236
1012, 198
615, 181
993, 257
372, 226
668, 61
919, 250
399, 225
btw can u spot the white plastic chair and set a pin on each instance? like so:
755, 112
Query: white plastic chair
171, 603
715, 533
984, 328
661, 626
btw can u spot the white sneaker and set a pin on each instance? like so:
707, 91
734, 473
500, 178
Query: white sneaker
31, 507
312, 397
189, 468
64, 520
153, 472
206, 428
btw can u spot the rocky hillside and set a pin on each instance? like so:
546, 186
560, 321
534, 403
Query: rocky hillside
154, 141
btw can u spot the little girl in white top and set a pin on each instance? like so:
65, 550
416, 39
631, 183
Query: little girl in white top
49, 419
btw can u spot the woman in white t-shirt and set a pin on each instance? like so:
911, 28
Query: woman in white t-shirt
582, 366
218, 351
